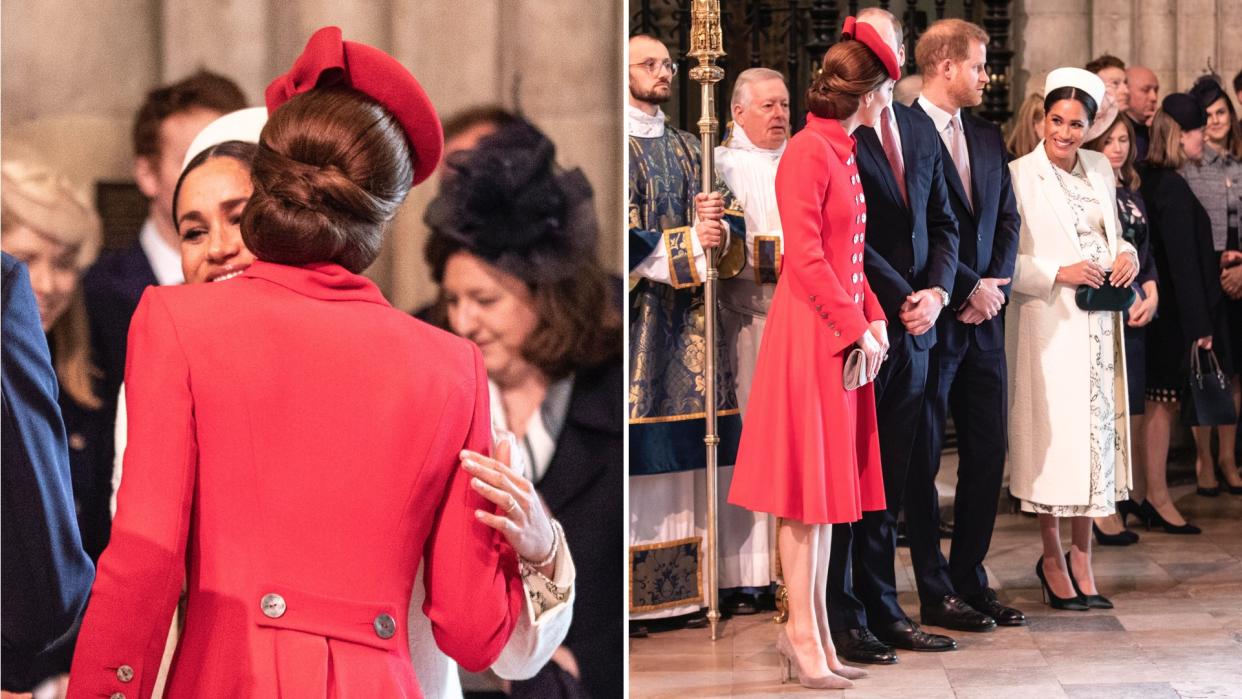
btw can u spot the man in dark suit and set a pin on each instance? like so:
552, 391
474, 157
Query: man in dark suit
967, 373
46, 574
910, 262
165, 125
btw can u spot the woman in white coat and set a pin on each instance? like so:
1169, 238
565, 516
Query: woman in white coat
1069, 442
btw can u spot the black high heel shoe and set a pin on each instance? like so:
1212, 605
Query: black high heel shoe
1096, 601
1123, 538
1125, 508
1073, 604
1152, 518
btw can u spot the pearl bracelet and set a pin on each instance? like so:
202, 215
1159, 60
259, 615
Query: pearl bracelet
557, 535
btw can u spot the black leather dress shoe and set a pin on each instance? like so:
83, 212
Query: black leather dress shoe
987, 603
907, 635
740, 604
861, 646
954, 613
696, 620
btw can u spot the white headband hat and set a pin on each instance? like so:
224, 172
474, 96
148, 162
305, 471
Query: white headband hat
241, 125
1084, 80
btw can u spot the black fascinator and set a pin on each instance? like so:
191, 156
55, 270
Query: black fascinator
507, 202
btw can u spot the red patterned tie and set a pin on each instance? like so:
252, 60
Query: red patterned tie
894, 157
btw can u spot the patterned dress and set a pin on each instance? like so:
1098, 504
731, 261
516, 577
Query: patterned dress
1106, 440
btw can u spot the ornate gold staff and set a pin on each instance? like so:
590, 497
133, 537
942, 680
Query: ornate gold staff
706, 45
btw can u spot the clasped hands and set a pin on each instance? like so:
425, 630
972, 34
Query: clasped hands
709, 209
985, 302
1231, 273
1125, 269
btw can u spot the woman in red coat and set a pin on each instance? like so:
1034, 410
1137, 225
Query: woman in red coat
295, 457
809, 452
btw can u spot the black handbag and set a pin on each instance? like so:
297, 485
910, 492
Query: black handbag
1105, 298
1210, 400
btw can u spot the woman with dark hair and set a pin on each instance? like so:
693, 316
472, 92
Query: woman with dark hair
276, 420
1191, 312
1216, 179
512, 247
1115, 140
794, 461
1069, 447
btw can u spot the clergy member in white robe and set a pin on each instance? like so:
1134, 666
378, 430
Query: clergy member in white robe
746, 164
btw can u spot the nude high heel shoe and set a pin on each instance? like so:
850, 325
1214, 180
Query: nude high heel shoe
790, 665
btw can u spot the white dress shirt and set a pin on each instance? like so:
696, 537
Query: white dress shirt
165, 260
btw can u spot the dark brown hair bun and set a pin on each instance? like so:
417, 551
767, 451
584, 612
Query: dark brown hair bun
331, 170
850, 70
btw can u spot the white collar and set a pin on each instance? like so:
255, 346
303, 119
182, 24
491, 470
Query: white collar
738, 140
164, 259
938, 116
643, 125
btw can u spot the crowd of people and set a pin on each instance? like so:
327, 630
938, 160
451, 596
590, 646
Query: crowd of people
1062, 292
282, 486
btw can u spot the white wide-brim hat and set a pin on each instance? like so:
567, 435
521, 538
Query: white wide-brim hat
242, 125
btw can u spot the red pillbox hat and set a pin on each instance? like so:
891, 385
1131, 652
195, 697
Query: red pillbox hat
329, 61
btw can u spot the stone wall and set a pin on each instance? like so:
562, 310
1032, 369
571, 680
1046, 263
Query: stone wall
74, 72
1175, 38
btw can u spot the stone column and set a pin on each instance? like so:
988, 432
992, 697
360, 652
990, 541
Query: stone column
1047, 36
1228, 23
1155, 39
453, 48
1112, 28
571, 88
1197, 43
228, 38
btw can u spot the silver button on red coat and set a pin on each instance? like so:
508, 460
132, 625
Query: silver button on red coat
117, 695
125, 673
385, 626
273, 605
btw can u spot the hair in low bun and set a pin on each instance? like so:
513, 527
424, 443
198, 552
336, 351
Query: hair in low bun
850, 70
331, 169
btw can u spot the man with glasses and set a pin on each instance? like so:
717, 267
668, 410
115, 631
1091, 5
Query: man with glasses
671, 228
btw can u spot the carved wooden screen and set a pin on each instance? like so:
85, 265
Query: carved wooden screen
792, 35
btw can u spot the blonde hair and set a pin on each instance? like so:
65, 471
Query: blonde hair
947, 39
1022, 138
1164, 146
39, 198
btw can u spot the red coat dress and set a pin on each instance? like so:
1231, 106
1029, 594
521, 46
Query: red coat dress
293, 456
809, 449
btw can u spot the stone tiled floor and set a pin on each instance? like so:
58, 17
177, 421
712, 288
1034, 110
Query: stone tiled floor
1176, 630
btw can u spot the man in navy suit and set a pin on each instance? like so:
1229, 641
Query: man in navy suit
46, 574
967, 373
910, 262
165, 125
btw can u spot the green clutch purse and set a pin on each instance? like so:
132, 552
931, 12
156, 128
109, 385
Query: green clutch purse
1105, 298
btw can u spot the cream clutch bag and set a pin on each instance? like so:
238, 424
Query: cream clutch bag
856, 370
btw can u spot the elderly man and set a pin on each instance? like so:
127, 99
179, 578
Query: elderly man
967, 371
746, 167
1144, 100
911, 262
669, 244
